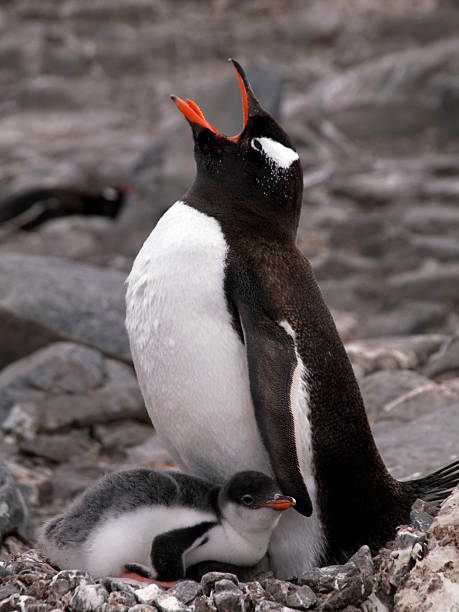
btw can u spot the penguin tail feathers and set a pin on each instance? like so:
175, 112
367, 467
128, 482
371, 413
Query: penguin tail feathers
437, 486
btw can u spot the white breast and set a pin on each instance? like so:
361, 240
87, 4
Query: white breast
190, 363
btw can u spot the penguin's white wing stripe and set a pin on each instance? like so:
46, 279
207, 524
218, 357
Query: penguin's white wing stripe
299, 406
277, 153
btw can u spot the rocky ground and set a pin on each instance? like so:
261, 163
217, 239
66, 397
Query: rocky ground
369, 92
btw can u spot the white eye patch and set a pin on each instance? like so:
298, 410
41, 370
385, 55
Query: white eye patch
277, 153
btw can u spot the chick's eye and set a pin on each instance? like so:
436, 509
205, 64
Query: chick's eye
256, 144
247, 500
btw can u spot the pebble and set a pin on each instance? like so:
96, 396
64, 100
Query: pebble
186, 590
209, 580
148, 594
88, 597
168, 603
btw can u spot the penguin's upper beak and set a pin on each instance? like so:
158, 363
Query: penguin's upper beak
279, 502
250, 105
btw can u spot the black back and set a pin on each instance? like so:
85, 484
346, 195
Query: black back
128, 490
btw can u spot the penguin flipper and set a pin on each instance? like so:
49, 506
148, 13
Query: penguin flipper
141, 570
168, 548
272, 361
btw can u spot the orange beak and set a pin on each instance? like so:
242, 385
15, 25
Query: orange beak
282, 502
193, 113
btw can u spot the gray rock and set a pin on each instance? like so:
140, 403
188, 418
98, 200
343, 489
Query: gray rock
14, 514
122, 434
357, 229
339, 265
326, 579
440, 248
427, 588
363, 560
408, 547
348, 294
254, 592
149, 593
433, 219
270, 606
112, 402
75, 237
168, 603
377, 188
48, 299
352, 594
204, 604
425, 399
186, 590
208, 580
302, 598
420, 520
59, 447
120, 600
88, 597
387, 97
24, 603
151, 451
47, 410
224, 584
440, 283
228, 600
421, 446
397, 353
60, 367
156, 185
32, 562
142, 608
427, 507
410, 318
67, 580
69, 480
444, 362
380, 388
288, 594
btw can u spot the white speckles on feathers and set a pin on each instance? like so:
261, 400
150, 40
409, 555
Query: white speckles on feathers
277, 154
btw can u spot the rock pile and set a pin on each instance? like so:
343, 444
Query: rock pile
405, 572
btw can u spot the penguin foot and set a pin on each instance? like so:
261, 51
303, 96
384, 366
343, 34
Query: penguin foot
135, 576
135, 571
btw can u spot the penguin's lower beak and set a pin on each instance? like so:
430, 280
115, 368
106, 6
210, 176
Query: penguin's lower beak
279, 502
250, 105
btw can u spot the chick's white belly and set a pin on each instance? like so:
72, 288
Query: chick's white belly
128, 538
190, 362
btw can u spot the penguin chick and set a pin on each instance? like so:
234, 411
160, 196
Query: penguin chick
161, 523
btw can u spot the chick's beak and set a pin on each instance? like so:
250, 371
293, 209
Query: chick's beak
279, 502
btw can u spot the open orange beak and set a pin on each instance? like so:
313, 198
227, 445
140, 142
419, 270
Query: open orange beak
281, 502
193, 113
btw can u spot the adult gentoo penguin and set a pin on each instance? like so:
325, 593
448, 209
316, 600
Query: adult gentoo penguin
161, 523
238, 357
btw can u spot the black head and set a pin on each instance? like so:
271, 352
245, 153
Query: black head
254, 490
258, 170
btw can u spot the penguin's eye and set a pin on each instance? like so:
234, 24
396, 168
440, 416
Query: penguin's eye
256, 144
247, 500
